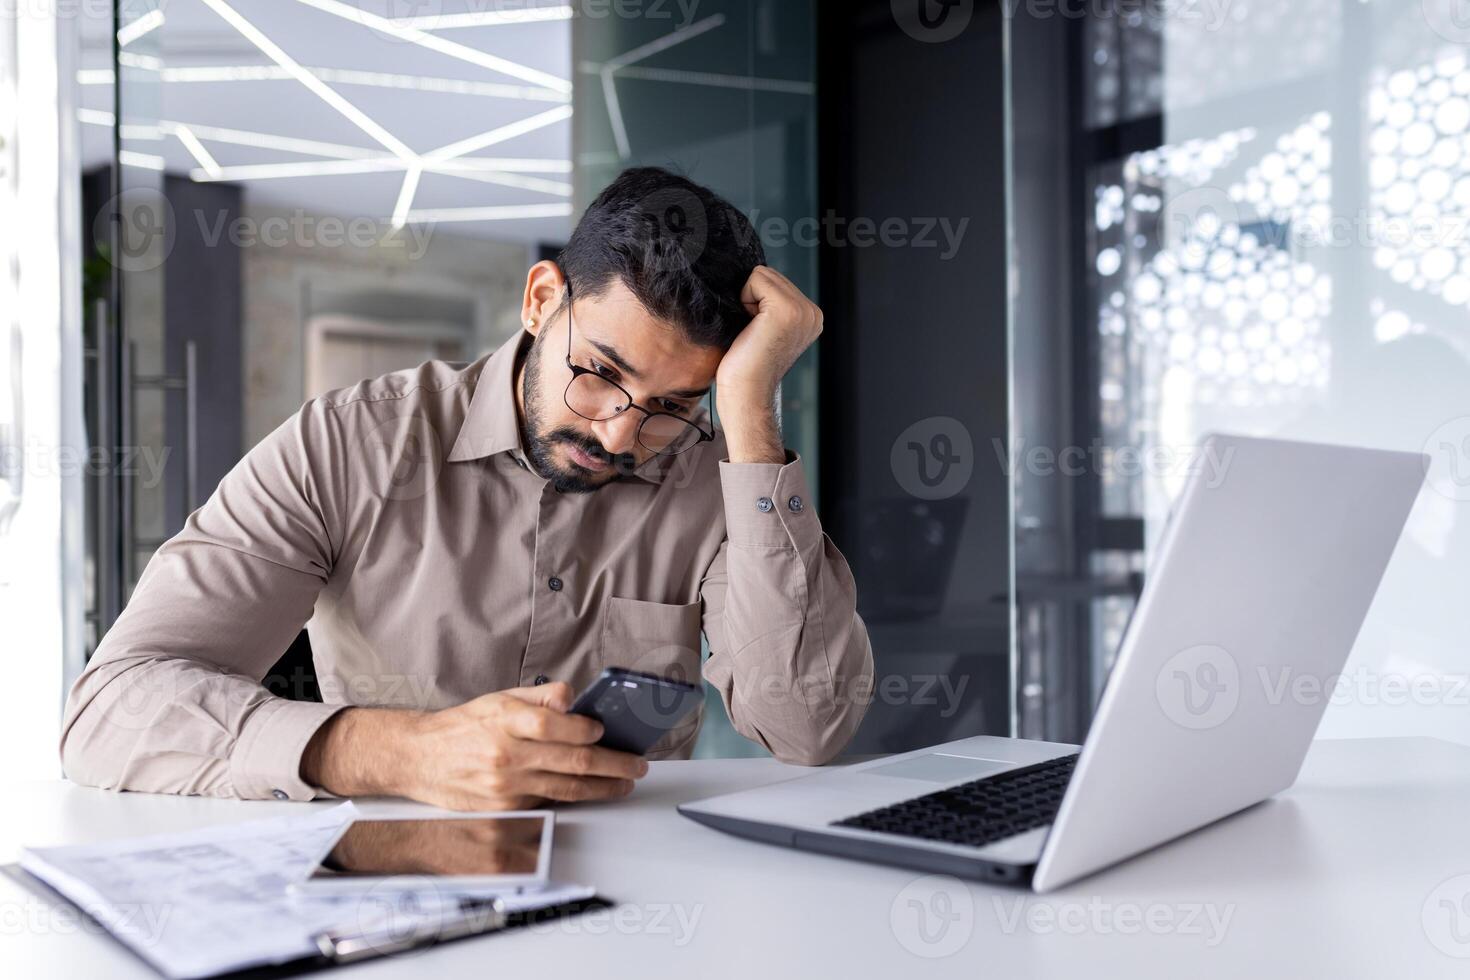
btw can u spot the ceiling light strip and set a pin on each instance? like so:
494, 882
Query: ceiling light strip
197, 149
346, 76
513, 164
615, 114
667, 41
609, 71
150, 21
714, 80
382, 165
128, 131
305, 168
405, 196
147, 161
145, 62
323, 91
450, 48
538, 184
96, 117
448, 86
506, 212
485, 18
288, 144
500, 135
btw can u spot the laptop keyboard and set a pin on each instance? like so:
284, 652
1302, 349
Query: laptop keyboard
980, 812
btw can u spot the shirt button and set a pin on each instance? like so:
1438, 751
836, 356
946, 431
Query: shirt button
764, 505
541, 679
280, 794
795, 504
554, 584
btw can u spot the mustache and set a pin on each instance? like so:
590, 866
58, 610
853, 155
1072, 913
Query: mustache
623, 463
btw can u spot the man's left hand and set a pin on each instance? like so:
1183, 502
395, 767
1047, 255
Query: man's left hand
786, 323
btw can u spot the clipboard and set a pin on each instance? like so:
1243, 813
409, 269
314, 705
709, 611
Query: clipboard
479, 918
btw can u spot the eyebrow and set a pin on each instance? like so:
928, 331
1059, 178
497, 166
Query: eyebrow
688, 393
612, 354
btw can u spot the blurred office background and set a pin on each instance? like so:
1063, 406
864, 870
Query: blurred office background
1056, 244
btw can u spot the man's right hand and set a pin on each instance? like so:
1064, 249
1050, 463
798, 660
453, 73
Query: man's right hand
511, 750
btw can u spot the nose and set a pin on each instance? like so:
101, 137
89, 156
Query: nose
618, 435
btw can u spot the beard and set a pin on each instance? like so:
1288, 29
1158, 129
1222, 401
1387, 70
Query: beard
541, 440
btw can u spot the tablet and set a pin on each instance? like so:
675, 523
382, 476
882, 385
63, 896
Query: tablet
459, 853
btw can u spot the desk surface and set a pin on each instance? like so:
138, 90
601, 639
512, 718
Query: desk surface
1360, 870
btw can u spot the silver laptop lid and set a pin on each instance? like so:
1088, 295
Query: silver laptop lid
1263, 578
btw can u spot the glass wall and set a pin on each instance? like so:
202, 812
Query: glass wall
724, 94
42, 454
312, 193
299, 196
1270, 222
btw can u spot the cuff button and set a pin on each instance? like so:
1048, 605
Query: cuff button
764, 505
796, 505
280, 794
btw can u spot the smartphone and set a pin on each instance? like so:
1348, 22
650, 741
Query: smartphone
636, 710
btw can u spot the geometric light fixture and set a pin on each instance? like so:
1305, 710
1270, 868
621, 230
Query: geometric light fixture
400, 157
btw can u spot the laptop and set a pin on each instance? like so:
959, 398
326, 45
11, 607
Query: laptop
1264, 574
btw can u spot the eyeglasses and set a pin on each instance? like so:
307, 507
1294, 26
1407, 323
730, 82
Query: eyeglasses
600, 399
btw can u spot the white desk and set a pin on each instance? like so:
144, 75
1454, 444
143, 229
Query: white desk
1342, 876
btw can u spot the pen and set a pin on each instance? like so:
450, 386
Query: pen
472, 919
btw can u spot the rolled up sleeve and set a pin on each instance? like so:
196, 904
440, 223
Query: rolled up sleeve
172, 702
789, 654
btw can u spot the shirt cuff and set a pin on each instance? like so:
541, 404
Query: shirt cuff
266, 763
768, 505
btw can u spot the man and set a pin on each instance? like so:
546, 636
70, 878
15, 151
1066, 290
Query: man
474, 544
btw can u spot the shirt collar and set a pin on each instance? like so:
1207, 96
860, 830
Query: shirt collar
492, 425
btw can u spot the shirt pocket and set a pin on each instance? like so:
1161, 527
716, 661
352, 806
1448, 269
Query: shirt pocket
660, 639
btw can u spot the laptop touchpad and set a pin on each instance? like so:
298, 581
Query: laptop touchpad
936, 768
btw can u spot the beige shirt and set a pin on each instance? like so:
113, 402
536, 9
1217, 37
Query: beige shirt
400, 517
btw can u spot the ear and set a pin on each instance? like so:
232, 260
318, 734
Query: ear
544, 286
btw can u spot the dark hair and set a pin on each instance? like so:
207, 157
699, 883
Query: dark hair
685, 252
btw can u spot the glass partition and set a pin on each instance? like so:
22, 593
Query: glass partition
305, 194
1266, 208
723, 92
41, 451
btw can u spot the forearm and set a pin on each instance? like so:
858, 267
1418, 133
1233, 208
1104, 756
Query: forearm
172, 700
362, 752
752, 434
172, 725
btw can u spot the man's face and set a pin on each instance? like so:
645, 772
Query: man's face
615, 336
